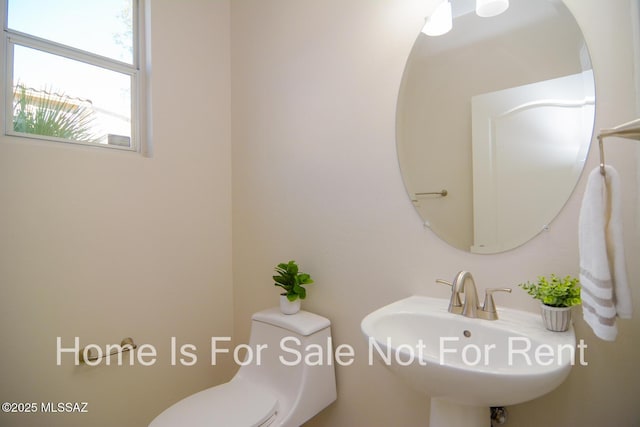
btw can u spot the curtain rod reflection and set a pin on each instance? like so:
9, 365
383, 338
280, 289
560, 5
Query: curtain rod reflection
442, 193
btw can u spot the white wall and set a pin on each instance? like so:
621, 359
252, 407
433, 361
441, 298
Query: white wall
103, 244
315, 178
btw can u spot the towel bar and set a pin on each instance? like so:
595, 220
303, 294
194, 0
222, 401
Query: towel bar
630, 130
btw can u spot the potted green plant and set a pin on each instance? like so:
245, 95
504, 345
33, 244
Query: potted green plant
557, 296
292, 281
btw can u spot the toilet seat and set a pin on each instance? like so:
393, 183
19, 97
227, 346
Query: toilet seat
234, 404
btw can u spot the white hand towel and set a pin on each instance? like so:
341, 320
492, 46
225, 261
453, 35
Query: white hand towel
603, 274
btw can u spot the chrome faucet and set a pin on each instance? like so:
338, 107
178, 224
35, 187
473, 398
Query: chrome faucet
461, 284
455, 304
464, 284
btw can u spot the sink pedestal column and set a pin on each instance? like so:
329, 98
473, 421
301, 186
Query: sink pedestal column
449, 414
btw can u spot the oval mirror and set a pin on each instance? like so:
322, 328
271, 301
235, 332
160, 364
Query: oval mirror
494, 123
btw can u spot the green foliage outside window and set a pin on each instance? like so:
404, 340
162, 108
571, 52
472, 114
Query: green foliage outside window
43, 112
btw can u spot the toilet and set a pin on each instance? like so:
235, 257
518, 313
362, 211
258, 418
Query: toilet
285, 389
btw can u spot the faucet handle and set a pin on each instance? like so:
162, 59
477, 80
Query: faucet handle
455, 296
489, 305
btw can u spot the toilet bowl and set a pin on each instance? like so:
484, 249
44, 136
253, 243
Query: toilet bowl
291, 380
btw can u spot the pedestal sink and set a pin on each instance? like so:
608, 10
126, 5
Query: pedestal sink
467, 365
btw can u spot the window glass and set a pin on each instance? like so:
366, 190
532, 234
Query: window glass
102, 27
50, 89
72, 72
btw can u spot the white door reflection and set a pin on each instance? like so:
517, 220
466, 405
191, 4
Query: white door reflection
528, 152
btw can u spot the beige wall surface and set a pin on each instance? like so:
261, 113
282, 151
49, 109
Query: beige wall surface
102, 244
316, 179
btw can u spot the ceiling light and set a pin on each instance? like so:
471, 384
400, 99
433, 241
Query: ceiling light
489, 8
440, 21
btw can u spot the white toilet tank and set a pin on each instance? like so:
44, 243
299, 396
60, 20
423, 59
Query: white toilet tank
290, 378
297, 363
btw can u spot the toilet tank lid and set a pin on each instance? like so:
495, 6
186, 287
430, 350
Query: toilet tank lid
303, 322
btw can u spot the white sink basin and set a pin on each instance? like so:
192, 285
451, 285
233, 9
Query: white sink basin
469, 361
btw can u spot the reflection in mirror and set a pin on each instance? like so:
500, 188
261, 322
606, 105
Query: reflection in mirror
499, 112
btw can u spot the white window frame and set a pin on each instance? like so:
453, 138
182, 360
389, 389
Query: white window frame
135, 71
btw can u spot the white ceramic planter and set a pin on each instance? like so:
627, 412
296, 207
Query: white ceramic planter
556, 319
289, 307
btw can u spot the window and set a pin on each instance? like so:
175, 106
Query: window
73, 71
